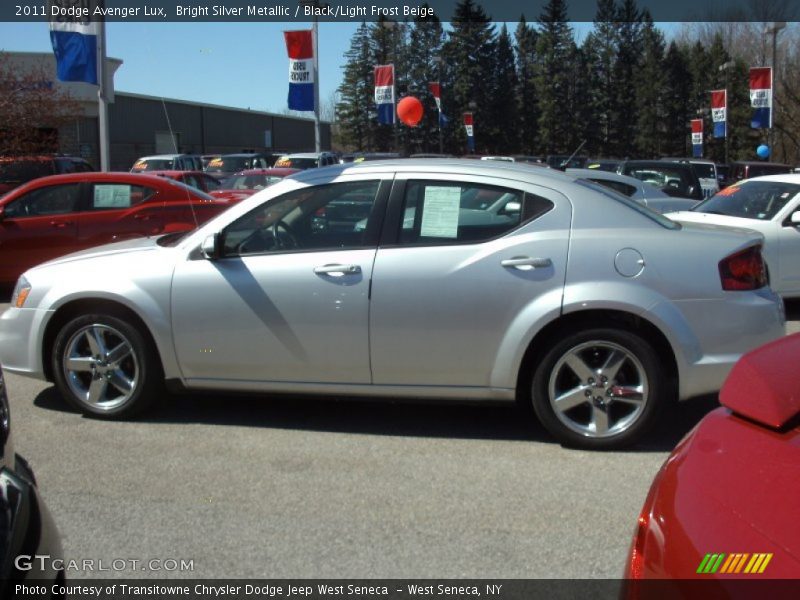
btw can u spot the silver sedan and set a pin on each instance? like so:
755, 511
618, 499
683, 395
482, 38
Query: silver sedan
429, 279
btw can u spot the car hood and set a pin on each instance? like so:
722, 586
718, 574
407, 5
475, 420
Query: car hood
125, 247
715, 220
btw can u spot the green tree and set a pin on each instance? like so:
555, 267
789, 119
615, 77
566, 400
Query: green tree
555, 49
388, 46
649, 80
527, 101
629, 48
470, 57
677, 89
600, 52
424, 65
355, 111
505, 138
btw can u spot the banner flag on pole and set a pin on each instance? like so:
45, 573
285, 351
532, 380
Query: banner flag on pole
74, 45
470, 127
384, 93
300, 47
761, 97
436, 90
697, 138
719, 112
443, 119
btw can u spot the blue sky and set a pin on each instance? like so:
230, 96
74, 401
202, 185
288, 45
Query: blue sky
232, 64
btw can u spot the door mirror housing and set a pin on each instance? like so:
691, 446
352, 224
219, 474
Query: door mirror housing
210, 248
2, 213
794, 219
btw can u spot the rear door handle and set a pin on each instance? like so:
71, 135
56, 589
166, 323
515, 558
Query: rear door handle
526, 263
142, 217
60, 224
337, 270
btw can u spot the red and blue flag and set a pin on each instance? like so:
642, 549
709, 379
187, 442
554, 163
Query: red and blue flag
300, 46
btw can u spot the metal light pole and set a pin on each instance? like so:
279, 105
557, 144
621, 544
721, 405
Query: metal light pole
315, 68
773, 29
724, 69
438, 61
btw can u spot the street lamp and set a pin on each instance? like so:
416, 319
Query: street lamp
723, 68
773, 29
315, 35
438, 60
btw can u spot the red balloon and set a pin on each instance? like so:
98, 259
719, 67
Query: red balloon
409, 110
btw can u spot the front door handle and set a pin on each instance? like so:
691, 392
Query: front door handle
526, 263
338, 270
60, 224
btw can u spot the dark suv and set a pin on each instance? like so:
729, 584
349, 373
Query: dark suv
676, 179
747, 169
16, 170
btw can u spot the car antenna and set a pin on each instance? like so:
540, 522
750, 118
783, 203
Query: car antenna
563, 166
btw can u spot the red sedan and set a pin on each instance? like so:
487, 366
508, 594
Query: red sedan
52, 216
724, 506
246, 183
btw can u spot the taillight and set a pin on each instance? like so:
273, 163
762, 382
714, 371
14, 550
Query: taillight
744, 270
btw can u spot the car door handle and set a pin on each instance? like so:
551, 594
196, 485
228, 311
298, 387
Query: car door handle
337, 270
143, 217
525, 263
60, 224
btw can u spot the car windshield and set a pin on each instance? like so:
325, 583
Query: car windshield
154, 164
760, 200
674, 180
759, 170
230, 164
249, 182
296, 162
704, 171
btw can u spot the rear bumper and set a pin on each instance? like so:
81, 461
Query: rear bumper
718, 333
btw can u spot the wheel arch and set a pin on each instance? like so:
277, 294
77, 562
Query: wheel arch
576, 321
82, 306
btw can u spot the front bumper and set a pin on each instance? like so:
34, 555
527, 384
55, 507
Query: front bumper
21, 335
28, 530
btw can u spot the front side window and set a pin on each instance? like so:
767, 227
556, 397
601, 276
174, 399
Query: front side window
760, 200
109, 196
446, 212
327, 217
51, 200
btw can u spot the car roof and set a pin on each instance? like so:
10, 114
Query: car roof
161, 157
493, 168
284, 171
781, 177
304, 154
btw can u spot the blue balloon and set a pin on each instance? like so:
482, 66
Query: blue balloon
763, 151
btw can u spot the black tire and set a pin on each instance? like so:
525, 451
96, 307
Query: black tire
97, 386
606, 414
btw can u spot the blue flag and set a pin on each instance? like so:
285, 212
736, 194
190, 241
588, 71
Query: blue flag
75, 47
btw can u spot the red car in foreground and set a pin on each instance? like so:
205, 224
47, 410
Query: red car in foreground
241, 185
52, 216
724, 507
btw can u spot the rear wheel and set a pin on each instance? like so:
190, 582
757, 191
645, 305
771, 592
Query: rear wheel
599, 388
105, 367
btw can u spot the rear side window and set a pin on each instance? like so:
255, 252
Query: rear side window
446, 212
618, 186
109, 196
51, 200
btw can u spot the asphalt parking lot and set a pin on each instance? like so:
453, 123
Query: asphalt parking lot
290, 488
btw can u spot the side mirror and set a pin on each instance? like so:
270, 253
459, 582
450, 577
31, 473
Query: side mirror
210, 247
794, 219
2, 213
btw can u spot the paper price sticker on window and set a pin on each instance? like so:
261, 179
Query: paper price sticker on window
440, 212
112, 196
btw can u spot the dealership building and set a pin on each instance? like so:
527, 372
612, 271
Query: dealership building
140, 125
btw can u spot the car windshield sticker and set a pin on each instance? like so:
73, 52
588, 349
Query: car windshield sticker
112, 196
283, 162
440, 212
728, 191
216, 162
140, 164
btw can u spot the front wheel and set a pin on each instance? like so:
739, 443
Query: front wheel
599, 389
105, 367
